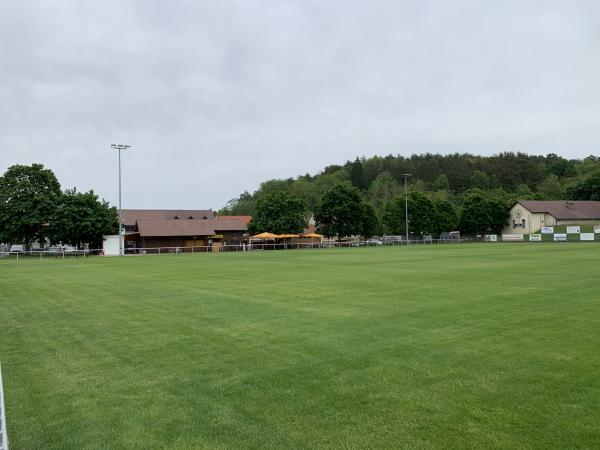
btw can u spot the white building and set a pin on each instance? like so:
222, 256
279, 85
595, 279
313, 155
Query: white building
110, 245
529, 216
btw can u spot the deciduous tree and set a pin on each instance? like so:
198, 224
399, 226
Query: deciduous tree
279, 212
421, 213
342, 212
482, 213
588, 189
480, 180
370, 221
383, 189
244, 205
441, 183
551, 189
82, 218
445, 216
28, 198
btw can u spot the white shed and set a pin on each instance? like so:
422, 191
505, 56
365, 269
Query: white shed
110, 245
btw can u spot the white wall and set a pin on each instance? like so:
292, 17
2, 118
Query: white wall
533, 221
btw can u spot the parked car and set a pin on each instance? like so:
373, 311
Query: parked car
391, 240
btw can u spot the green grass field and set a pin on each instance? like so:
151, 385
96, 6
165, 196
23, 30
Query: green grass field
458, 346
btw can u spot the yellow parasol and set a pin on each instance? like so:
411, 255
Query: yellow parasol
264, 236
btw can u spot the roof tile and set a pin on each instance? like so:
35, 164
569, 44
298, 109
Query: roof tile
563, 210
131, 216
183, 227
174, 227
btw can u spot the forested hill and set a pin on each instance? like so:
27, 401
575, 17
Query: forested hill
507, 176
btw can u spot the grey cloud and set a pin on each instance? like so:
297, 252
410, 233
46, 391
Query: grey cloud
216, 97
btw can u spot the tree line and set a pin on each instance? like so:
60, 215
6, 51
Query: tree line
445, 192
33, 208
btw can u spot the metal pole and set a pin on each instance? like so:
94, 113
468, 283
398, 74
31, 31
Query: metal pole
3, 432
406, 175
121, 241
406, 208
120, 217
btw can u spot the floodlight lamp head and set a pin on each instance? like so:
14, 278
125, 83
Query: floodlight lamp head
120, 146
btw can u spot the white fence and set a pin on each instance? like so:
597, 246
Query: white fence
254, 246
262, 246
44, 254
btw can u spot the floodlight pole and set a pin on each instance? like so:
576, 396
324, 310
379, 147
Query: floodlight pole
121, 243
405, 176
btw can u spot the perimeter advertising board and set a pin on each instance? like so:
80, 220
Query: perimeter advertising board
560, 237
586, 237
575, 229
597, 229
547, 230
535, 238
512, 237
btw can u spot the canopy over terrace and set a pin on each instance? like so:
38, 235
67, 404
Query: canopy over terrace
263, 236
266, 235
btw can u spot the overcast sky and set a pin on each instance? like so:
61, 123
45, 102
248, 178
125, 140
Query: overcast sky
217, 96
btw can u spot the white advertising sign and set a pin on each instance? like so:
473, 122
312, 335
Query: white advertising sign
547, 230
491, 238
586, 237
535, 238
512, 237
575, 229
560, 237
596, 228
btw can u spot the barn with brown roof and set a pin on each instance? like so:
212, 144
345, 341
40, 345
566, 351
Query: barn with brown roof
131, 216
245, 219
530, 216
180, 229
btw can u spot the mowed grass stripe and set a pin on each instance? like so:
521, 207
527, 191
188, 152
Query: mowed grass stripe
466, 346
